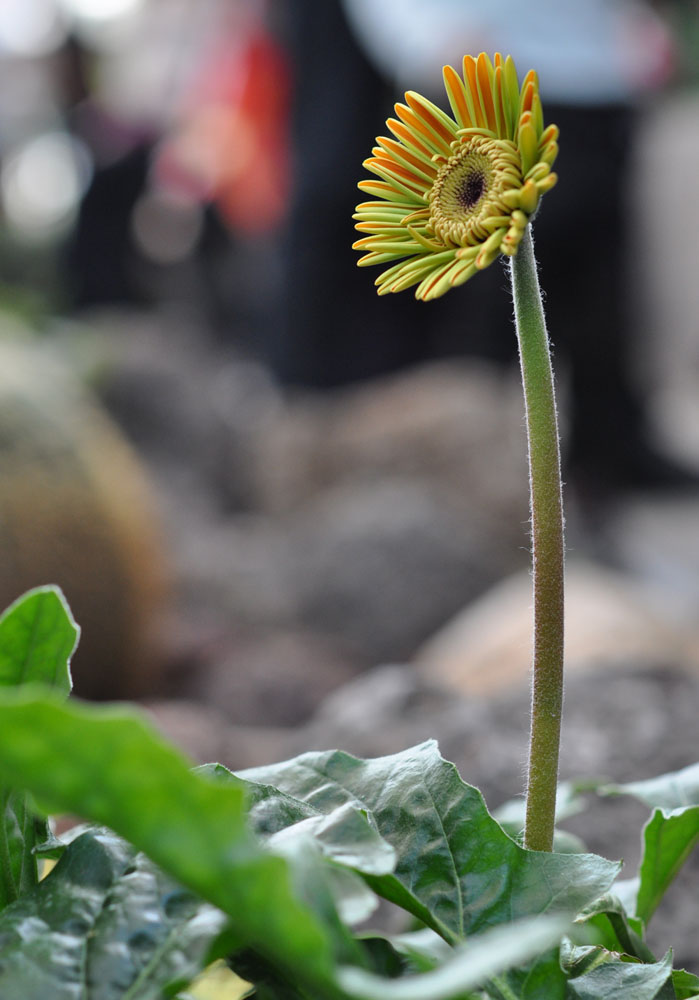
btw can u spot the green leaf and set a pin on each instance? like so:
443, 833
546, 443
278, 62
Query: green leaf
686, 984
545, 979
668, 791
615, 980
419, 951
456, 870
470, 966
108, 765
626, 891
614, 929
20, 831
105, 924
344, 834
542, 979
37, 638
669, 837
577, 959
325, 891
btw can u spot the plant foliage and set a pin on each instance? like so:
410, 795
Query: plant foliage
279, 870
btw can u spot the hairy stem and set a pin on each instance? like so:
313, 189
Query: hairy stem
547, 549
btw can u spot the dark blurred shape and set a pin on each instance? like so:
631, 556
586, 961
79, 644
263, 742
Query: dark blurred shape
102, 261
332, 329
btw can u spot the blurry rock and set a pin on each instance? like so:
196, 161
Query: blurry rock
75, 510
386, 710
620, 727
658, 539
237, 567
274, 678
195, 415
292, 462
382, 566
206, 735
457, 425
609, 620
669, 295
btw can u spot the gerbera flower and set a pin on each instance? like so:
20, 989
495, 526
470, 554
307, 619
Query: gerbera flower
454, 193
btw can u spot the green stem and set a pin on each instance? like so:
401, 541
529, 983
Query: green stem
547, 549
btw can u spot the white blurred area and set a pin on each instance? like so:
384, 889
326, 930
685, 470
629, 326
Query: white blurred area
144, 53
41, 183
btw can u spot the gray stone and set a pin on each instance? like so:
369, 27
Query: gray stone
207, 736
273, 678
610, 619
383, 565
458, 426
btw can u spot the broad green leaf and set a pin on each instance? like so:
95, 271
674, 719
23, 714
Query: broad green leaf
354, 900
669, 837
269, 983
396, 955
20, 831
471, 965
626, 891
108, 765
668, 791
105, 924
541, 979
313, 881
37, 638
545, 980
418, 951
344, 834
686, 984
456, 870
614, 929
577, 959
615, 980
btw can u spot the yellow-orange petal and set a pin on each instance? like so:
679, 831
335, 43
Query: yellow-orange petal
471, 82
433, 117
459, 98
422, 167
435, 140
484, 73
409, 139
386, 166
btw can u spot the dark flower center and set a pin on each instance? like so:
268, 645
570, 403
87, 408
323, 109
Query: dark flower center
472, 190
467, 190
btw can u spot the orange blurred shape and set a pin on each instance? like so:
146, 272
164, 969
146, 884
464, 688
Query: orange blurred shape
231, 144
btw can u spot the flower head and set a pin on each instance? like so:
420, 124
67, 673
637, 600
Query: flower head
454, 193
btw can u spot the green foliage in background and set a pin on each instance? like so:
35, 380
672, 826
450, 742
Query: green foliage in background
276, 873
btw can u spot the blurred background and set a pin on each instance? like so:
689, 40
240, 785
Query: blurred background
260, 486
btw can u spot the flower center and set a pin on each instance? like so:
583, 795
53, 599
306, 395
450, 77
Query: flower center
472, 189
466, 191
